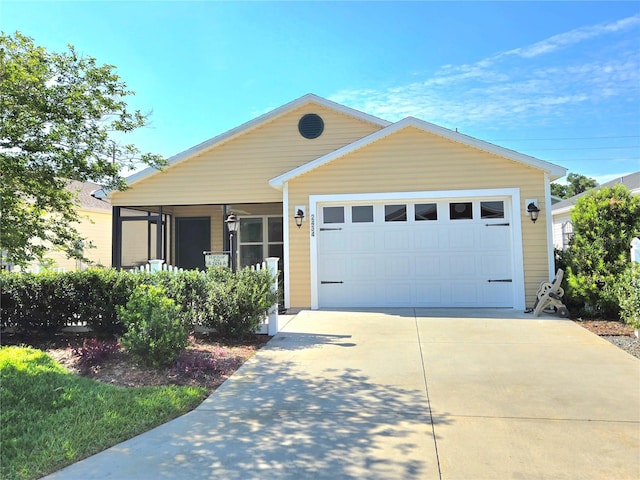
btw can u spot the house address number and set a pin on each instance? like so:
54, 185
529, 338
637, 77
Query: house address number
220, 260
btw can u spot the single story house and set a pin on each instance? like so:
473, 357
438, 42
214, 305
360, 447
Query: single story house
93, 223
392, 214
561, 211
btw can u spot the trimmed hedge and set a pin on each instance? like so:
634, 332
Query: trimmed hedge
46, 302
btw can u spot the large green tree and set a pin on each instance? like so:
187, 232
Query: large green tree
604, 223
576, 184
59, 113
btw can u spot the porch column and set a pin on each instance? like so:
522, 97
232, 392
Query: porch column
272, 265
116, 238
159, 235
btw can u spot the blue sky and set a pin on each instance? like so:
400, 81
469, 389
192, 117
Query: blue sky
556, 80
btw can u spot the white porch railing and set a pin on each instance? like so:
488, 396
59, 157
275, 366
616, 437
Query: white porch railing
271, 325
156, 266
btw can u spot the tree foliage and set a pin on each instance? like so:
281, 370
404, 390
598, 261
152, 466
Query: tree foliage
57, 112
604, 223
576, 184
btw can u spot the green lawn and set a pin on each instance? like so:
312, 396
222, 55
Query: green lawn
51, 418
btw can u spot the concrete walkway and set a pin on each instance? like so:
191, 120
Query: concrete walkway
407, 393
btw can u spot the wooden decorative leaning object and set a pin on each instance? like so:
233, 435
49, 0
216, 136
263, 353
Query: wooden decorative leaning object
549, 296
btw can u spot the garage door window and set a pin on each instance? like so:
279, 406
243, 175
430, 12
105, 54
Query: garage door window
395, 213
362, 214
461, 211
492, 209
426, 211
333, 214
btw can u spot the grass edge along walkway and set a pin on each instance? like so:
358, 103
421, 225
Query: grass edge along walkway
51, 418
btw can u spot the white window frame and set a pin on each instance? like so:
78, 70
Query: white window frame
265, 235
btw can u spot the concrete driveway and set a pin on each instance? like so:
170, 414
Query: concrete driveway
407, 393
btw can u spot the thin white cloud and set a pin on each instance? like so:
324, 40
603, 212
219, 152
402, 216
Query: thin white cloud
517, 86
575, 36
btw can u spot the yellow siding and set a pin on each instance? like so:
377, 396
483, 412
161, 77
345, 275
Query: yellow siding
238, 171
413, 160
97, 230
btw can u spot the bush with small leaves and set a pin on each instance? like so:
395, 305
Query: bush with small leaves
155, 331
628, 291
238, 302
604, 222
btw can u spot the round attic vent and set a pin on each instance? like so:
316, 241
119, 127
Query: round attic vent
311, 126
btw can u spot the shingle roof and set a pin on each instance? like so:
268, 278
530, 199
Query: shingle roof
632, 181
85, 199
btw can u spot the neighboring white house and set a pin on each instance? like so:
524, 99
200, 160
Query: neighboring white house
561, 211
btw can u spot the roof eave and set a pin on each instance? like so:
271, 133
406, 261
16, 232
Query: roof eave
554, 171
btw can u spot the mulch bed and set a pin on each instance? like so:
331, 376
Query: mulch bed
618, 333
207, 362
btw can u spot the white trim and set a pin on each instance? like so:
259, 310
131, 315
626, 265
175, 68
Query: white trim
555, 171
313, 245
549, 218
251, 124
516, 231
561, 211
519, 294
285, 234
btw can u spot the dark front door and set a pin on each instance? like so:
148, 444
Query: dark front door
193, 236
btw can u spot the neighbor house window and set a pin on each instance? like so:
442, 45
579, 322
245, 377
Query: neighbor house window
460, 211
567, 233
395, 213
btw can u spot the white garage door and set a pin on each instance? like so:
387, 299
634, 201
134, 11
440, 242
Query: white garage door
440, 253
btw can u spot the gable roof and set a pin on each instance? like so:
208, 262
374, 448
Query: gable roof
632, 181
256, 122
554, 171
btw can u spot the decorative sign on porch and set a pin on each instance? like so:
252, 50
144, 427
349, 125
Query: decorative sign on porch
216, 259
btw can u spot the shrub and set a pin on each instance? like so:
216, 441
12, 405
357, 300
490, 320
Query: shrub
155, 331
233, 304
47, 301
238, 302
198, 364
604, 222
188, 289
628, 292
94, 352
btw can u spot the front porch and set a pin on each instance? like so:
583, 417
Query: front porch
180, 234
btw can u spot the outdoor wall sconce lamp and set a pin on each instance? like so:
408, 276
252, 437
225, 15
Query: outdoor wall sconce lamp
298, 217
533, 210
